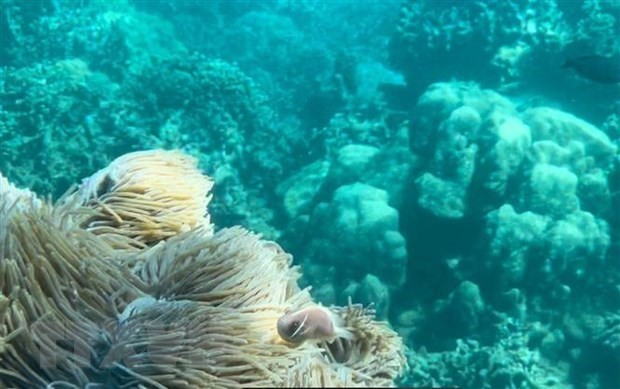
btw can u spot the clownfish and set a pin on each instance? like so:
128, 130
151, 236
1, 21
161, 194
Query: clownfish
315, 323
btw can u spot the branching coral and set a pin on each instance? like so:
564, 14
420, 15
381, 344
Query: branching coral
47, 110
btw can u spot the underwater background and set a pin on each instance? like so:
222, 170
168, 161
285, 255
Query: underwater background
455, 163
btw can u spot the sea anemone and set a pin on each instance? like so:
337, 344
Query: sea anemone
111, 287
146, 196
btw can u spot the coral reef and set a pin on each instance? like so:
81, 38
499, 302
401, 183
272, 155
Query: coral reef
110, 37
514, 46
54, 112
431, 159
539, 176
509, 363
48, 113
534, 185
454, 31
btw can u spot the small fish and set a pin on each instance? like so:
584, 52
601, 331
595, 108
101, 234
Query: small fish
597, 68
315, 323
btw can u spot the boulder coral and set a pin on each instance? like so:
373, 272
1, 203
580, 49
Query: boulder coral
539, 179
472, 141
360, 235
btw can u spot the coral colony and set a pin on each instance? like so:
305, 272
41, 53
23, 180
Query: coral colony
219, 193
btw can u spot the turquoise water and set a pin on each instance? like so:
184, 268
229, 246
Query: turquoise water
434, 158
